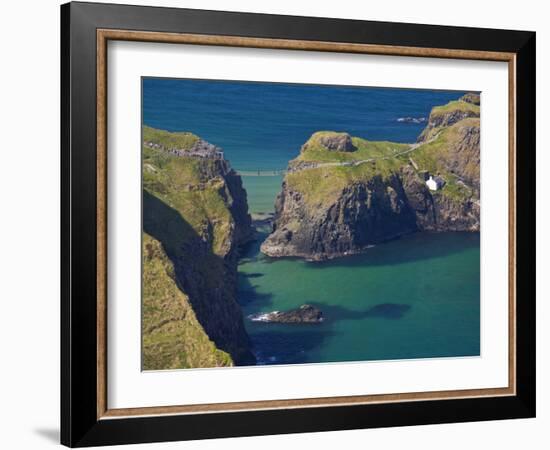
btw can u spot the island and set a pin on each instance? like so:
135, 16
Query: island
343, 194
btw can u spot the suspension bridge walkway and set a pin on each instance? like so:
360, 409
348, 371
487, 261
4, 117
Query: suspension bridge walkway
261, 172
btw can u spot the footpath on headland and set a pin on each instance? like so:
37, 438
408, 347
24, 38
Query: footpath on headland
315, 165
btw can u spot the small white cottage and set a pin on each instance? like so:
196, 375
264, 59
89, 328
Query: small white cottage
435, 184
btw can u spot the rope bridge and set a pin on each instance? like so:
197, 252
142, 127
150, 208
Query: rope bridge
261, 172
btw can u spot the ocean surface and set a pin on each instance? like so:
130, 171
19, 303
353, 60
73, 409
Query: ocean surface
263, 125
415, 297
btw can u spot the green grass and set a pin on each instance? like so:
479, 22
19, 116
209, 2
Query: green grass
434, 155
322, 186
179, 140
313, 149
455, 191
180, 183
172, 337
455, 105
185, 219
439, 113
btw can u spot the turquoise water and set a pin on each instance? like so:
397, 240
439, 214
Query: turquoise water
416, 297
261, 192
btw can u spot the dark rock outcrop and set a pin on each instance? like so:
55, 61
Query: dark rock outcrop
304, 314
338, 142
435, 211
463, 157
363, 215
471, 97
446, 116
234, 196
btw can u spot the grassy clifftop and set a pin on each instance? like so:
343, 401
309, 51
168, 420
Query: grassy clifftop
451, 152
449, 114
181, 140
456, 105
454, 155
315, 149
194, 218
173, 338
183, 183
335, 170
342, 194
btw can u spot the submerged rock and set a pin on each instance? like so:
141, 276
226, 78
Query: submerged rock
303, 314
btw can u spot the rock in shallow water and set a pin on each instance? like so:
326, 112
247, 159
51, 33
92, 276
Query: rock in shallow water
303, 314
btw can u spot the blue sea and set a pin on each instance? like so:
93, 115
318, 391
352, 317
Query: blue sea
416, 297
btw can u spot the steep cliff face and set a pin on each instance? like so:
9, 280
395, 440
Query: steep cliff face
195, 216
362, 214
449, 114
342, 194
456, 208
172, 335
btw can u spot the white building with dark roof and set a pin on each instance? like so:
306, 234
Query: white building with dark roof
434, 184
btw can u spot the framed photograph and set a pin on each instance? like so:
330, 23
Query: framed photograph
276, 224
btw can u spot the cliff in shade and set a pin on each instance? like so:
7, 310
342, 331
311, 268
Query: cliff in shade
343, 194
195, 216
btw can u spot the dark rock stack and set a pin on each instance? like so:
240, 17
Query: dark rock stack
338, 142
363, 215
304, 314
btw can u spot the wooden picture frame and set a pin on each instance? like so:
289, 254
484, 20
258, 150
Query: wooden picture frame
86, 418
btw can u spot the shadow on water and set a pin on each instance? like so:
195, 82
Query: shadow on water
392, 311
251, 250
287, 344
276, 343
248, 294
253, 275
407, 249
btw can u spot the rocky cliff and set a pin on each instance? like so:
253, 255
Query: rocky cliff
343, 194
449, 114
195, 216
